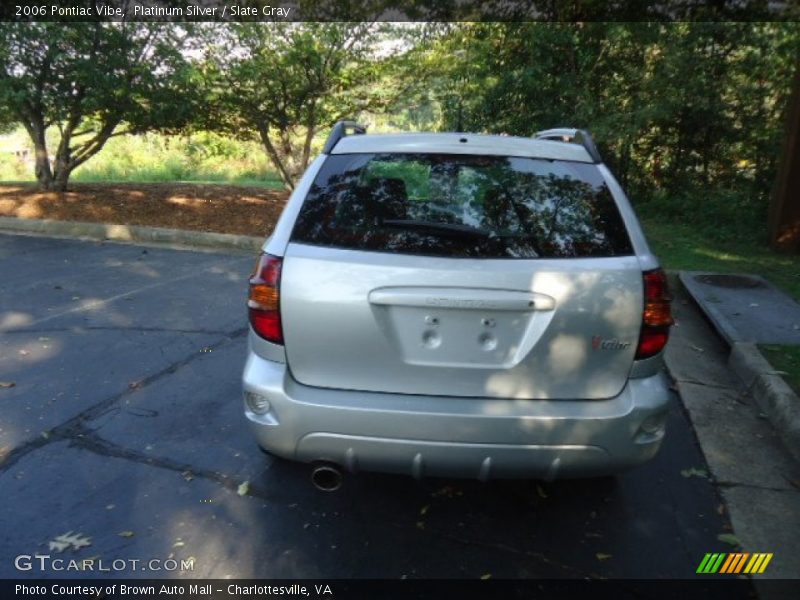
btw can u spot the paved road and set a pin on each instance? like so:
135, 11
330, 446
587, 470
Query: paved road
125, 425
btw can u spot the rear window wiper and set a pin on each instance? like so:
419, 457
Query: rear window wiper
453, 229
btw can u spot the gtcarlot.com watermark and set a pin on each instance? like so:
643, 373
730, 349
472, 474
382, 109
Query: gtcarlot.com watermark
45, 563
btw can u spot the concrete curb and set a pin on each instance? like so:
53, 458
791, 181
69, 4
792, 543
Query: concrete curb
772, 394
131, 233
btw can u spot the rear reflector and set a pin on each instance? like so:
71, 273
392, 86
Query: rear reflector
264, 299
656, 316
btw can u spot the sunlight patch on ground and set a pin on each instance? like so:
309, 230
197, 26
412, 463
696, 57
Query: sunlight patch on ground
13, 319
29, 209
719, 255
184, 201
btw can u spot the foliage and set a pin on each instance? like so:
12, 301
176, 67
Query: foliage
684, 246
155, 157
87, 79
677, 108
689, 115
281, 84
201, 157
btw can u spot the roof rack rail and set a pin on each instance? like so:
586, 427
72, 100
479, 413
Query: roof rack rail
571, 135
339, 131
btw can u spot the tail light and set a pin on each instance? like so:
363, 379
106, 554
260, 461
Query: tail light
656, 317
264, 300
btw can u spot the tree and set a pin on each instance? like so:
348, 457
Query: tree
282, 83
681, 111
91, 81
784, 214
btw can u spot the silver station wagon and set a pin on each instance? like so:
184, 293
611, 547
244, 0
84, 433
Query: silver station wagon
463, 305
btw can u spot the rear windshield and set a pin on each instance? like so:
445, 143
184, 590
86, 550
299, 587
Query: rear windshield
461, 206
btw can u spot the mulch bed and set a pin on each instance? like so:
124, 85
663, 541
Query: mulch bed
198, 207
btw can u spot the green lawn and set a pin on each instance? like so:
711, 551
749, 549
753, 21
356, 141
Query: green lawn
785, 359
682, 247
272, 183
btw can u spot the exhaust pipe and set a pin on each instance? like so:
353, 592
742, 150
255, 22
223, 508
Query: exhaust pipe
327, 477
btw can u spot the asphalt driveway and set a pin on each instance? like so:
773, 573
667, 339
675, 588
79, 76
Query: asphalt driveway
124, 425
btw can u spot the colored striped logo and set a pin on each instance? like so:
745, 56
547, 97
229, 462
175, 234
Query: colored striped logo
735, 562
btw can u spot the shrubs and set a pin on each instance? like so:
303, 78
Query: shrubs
159, 158
718, 214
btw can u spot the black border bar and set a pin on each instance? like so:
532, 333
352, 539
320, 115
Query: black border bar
399, 10
701, 588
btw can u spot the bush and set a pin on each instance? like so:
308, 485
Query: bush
719, 214
201, 157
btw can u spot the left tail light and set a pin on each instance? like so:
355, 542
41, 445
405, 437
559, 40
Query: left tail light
263, 302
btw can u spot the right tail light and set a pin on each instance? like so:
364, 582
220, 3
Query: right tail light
657, 315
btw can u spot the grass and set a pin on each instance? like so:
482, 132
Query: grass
684, 246
202, 157
694, 247
270, 183
785, 359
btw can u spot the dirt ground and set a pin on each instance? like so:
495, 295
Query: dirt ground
199, 207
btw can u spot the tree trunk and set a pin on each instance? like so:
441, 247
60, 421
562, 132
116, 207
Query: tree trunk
44, 175
60, 179
61, 169
784, 209
274, 158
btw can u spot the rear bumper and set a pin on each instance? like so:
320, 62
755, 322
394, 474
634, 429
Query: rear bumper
460, 437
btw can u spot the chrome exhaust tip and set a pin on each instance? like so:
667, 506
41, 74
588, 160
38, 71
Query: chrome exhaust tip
326, 478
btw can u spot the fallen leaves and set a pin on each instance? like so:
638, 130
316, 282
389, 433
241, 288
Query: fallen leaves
73, 540
692, 472
447, 491
603, 556
728, 538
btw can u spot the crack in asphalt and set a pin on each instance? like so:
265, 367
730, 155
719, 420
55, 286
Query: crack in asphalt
74, 426
87, 439
766, 488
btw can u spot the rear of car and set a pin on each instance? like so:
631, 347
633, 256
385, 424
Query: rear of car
460, 305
